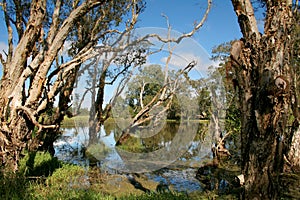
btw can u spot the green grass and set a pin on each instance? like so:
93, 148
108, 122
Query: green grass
75, 121
42, 177
82, 120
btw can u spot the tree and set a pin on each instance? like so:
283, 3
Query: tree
151, 106
264, 76
37, 71
232, 119
294, 152
144, 87
148, 82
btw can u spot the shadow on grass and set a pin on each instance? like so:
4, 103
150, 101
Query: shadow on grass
39, 164
34, 167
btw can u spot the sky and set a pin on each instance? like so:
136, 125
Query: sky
220, 26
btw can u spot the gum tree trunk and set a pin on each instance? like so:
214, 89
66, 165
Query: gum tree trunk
26, 88
265, 86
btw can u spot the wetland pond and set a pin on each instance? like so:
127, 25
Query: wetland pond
177, 153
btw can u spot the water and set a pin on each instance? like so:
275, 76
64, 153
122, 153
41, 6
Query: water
74, 147
181, 180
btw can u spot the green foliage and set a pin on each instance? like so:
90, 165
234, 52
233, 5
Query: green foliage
204, 100
221, 52
152, 79
75, 121
233, 120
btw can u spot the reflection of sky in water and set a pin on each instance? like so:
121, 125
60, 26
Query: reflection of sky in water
70, 145
180, 180
69, 148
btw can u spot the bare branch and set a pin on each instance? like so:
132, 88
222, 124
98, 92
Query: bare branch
186, 35
141, 93
81, 101
61, 73
10, 34
143, 115
19, 19
3, 63
121, 87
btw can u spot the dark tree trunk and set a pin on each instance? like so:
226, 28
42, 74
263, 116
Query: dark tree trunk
262, 67
97, 114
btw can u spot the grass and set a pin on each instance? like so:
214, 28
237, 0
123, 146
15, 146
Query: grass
81, 120
41, 176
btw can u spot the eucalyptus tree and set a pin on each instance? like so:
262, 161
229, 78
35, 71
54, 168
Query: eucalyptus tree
263, 68
47, 43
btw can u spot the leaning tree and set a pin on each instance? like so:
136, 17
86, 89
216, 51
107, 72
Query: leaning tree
262, 62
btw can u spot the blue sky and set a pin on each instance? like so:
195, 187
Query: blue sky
221, 25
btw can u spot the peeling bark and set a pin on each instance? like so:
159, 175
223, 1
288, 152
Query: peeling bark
21, 124
264, 76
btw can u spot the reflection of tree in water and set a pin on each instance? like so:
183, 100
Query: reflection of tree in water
162, 138
200, 146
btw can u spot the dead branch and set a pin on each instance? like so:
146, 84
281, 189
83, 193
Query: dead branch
186, 35
141, 93
143, 115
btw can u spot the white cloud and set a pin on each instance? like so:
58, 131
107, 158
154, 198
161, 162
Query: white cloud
3, 47
183, 59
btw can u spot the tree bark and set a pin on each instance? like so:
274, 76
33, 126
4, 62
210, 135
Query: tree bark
20, 105
294, 151
263, 74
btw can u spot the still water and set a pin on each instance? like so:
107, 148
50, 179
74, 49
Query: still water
171, 156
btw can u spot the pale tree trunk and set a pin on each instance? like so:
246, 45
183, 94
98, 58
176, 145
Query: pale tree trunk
262, 68
20, 105
294, 153
16, 122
